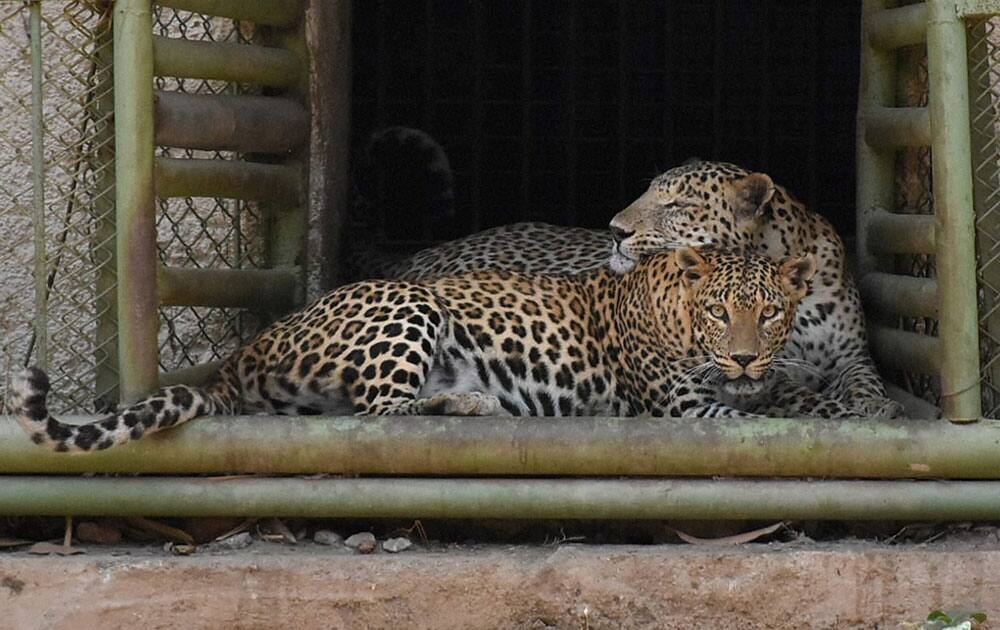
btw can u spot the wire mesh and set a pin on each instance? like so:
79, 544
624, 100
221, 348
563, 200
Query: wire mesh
204, 232
75, 43
984, 86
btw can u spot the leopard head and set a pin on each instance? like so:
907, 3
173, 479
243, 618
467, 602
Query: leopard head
742, 310
699, 203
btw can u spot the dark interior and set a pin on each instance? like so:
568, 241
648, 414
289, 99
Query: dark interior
562, 110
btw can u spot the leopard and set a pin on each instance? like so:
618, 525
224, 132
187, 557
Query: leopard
686, 333
699, 203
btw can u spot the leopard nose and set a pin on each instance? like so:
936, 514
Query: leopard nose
744, 359
618, 234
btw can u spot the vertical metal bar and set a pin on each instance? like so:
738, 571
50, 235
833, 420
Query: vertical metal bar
948, 78
875, 167
103, 238
135, 200
38, 187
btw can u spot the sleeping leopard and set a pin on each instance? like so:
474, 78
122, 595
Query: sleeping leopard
686, 333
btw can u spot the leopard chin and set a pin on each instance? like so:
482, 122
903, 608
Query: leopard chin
743, 386
620, 263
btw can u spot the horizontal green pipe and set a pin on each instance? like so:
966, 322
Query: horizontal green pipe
897, 127
504, 498
906, 350
538, 447
229, 179
230, 122
237, 63
267, 12
894, 28
893, 294
891, 233
266, 290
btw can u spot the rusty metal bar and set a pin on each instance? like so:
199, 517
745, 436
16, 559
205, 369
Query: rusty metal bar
230, 179
138, 315
41, 322
268, 290
892, 294
236, 63
500, 446
227, 122
505, 498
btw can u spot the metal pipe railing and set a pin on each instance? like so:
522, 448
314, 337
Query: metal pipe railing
499, 446
890, 233
138, 314
236, 63
905, 350
893, 294
896, 127
261, 290
958, 326
230, 122
504, 498
231, 179
898, 27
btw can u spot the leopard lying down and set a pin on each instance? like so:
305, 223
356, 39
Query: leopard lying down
688, 333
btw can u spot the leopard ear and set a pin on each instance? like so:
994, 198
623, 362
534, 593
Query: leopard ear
693, 267
796, 273
750, 194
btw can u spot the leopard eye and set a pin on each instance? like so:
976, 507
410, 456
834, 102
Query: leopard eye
718, 311
768, 312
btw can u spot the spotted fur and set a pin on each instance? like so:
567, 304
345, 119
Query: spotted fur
696, 204
485, 343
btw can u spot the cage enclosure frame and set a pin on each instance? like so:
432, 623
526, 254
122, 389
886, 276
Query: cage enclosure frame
532, 467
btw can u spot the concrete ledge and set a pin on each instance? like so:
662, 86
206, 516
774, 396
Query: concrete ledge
667, 586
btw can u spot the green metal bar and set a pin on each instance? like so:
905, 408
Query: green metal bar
874, 164
890, 233
505, 498
277, 445
898, 27
892, 294
267, 290
896, 127
263, 12
137, 264
230, 179
230, 122
38, 188
958, 325
906, 350
236, 63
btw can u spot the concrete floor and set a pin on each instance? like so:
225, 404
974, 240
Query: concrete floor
843, 585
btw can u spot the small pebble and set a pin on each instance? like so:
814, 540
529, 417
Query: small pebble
326, 537
367, 546
395, 545
355, 541
237, 541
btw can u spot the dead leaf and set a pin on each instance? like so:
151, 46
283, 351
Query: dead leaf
274, 530
160, 529
242, 527
737, 539
46, 548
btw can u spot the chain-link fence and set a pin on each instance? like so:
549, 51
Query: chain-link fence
984, 85
67, 259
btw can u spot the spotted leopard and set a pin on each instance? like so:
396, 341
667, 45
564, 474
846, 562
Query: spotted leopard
696, 204
685, 333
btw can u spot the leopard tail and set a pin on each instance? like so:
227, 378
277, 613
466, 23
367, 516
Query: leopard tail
167, 407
